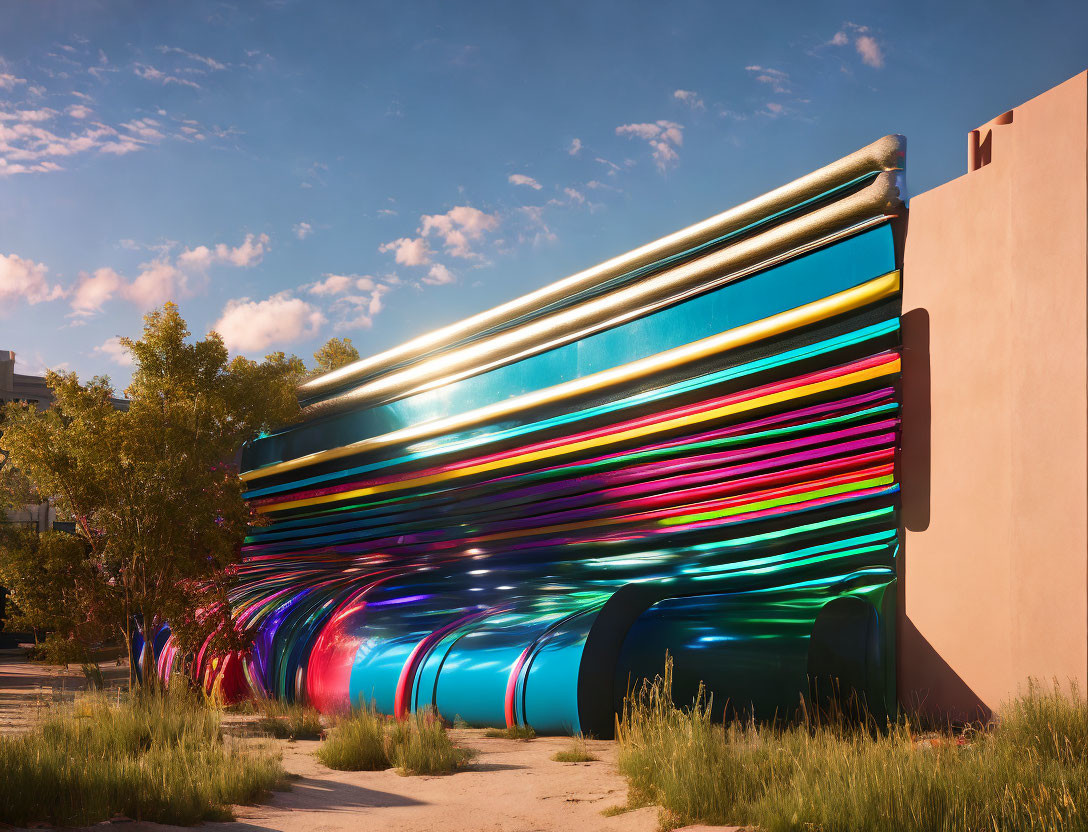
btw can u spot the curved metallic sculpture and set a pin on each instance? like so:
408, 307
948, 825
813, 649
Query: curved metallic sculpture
690, 448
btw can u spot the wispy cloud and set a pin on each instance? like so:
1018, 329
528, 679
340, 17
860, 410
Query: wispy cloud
9, 81
249, 253
537, 231
522, 179
210, 63
150, 73
303, 230
575, 147
356, 298
869, 49
664, 137
691, 98
162, 278
776, 79
115, 351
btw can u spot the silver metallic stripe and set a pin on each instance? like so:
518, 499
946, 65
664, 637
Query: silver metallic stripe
882, 155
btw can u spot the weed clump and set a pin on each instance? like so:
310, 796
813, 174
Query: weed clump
1027, 772
153, 757
356, 743
290, 721
511, 732
367, 741
576, 752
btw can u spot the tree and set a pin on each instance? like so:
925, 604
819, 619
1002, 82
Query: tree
337, 353
153, 490
54, 584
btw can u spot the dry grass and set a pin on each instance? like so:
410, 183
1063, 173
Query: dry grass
512, 732
1030, 772
367, 741
576, 752
160, 758
421, 745
290, 722
356, 743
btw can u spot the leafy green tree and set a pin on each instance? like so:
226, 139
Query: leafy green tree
337, 353
56, 592
156, 497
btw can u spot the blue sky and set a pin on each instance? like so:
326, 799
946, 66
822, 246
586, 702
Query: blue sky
289, 171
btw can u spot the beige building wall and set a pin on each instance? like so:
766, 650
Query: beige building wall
994, 572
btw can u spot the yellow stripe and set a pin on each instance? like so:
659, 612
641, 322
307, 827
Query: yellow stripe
868, 374
810, 313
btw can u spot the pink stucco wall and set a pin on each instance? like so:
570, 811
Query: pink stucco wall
994, 572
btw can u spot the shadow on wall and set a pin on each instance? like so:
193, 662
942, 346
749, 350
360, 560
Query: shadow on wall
927, 683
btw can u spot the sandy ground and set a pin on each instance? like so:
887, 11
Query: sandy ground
512, 786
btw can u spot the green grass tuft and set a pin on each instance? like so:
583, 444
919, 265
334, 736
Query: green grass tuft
290, 722
367, 741
356, 743
156, 758
421, 745
513, 732
576, 752
1028, 772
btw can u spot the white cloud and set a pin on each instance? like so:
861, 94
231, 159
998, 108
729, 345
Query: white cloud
211, 63
574, 196
613, 168
870, 51
538, 231
9, 81
24, 280
662, 136
252, 326
115, 351
691, 98
157, 282
150, 73
249, 253
408, 251
575, 147
335, 284
199, 258
161, 279
459, 228
121, 146
776, 79
31, 116
358, 311
93, 290
867, 46
28, 145
438, 275
522, 179
303, 230
145, 128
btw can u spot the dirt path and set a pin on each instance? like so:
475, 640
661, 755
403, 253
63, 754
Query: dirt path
512, 786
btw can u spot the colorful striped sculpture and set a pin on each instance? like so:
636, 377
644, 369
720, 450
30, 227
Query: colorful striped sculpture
690, 448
